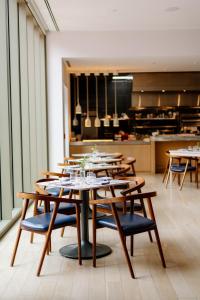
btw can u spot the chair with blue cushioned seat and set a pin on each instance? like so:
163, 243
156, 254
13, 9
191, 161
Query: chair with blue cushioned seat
181, 168
126, 224
56, 191
46, 222
135, 185
64, 208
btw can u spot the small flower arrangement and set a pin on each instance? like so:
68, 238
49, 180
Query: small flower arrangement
94, 149
83, 162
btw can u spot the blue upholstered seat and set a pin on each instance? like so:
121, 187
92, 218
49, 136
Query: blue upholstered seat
181, 168
131, 224
56, 191
41, 222
64, 208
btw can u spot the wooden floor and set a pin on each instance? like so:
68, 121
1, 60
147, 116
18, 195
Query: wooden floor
178, 216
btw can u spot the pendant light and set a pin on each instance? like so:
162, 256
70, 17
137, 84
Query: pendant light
75, 121
115, 116
78, 106
87, 120
106, 122
198, 100
97, 122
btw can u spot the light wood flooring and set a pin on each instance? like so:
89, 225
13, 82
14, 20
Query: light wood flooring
178, 217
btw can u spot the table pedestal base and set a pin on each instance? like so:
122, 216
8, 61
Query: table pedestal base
71, 251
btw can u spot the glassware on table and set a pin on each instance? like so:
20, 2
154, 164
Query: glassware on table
91, 177
73, 174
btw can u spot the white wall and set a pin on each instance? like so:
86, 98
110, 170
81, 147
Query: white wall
176, 50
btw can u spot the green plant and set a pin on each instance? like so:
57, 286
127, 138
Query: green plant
94, 148
83, 162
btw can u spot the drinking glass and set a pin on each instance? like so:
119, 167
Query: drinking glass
91, 177
73, 174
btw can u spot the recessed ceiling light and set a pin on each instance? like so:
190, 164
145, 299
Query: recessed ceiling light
163, 91
172, 8
184, 91
142, 91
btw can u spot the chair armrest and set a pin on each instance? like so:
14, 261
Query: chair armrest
47, 198
124, 198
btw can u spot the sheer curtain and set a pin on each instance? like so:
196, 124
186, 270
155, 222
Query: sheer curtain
23, 153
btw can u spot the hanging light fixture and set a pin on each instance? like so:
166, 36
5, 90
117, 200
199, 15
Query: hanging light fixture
87, 120
115, 115
106, 122
75, 121
97, 122
78, 106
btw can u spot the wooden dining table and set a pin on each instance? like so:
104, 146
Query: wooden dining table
97, 154
187, 154
96, 160
71, 251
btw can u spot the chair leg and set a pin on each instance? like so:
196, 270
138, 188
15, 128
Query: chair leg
167, 179
94, 244
44, 251
126, 254
31, 238
79, 236
145, 215
132, 244
50, 245
62, 232
15, 247
165, 172
160, 247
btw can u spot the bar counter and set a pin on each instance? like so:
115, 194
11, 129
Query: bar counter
149, 153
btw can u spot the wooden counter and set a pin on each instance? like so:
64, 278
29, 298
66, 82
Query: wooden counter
150, 156
139, 149
160, 144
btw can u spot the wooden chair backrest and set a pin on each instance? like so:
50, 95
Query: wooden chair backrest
135, 184
48, 174
123, 199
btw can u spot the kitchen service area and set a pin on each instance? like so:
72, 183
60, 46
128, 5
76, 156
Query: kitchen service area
138, 114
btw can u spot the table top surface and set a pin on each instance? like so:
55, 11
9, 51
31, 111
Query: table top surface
96, 160
193, 152
96, 154
92, 167
81, 186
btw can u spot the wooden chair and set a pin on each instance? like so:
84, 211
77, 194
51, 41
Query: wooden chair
135, 186
46, 222
122, 171
64, 208
55, 191
130, 161
181, 169
126, 224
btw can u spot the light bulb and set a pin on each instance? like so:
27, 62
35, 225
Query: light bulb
88, 122
75, 121
78, 109
97, 122
106, 122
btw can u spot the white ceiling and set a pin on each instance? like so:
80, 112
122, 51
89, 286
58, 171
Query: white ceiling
117, 15
176, 22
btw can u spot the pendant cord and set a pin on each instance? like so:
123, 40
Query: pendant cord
87, 96
97, 100
106, 109
78, 90
115, 97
